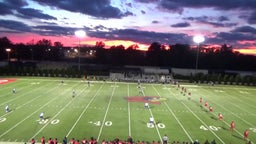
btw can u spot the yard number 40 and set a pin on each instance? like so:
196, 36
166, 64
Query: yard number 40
214, 128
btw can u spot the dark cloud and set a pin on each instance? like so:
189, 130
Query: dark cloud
245, 29
95, 8
217, 24
213, 21
146, 1
202, 18
181, 25
223, 18
15, 7
7, 6
54, 30
14, 26
219, 4
235, 36
143, 12
252, 18
140, 36
15, 4
178, 5
5, 9
172, 6
29, 13
155, 22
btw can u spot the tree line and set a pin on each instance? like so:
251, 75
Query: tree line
177, 55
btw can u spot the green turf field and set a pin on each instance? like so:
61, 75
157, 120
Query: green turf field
102, 111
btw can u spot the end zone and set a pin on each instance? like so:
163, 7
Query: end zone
6, 80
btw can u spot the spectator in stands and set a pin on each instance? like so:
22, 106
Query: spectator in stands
50, 141
43, 140
33, 141
64, 141
55, 141
196, 142
84, 141
130, 140
72, 141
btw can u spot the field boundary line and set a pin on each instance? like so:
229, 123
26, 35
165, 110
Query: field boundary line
170, 110
104, 119
87, 106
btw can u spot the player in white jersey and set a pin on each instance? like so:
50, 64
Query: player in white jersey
151, 121
41, 116
146, 105
7, 109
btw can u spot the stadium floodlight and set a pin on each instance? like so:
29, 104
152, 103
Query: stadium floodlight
198, 39
79, 34
8, 50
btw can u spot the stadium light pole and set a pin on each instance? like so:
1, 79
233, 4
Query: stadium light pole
198, 39
79, 34
8, 50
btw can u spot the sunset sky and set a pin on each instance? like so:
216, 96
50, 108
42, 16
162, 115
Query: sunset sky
128, 22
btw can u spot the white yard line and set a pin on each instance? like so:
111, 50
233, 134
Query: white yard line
151, 114
27, 117
170, 110
26, 102
84, 111
199, 119
57, 114
30, 114
16, 96
129, 112
104, 119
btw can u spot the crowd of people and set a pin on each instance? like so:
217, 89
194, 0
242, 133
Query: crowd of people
129, 140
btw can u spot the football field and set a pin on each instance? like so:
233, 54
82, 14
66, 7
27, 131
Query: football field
109, 110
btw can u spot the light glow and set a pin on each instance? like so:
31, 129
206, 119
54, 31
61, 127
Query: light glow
198, 39
80, 34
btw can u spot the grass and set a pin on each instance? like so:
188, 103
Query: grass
101, 111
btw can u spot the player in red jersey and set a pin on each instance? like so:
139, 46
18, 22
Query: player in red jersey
206, 104
43, 140
220, 117
246, 134
232, 126
210, 108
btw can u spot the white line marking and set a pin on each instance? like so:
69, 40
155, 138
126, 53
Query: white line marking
199, 119
129, 112
170, 110
84, 112
104, 119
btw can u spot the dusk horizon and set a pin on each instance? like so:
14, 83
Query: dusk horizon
129, 22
